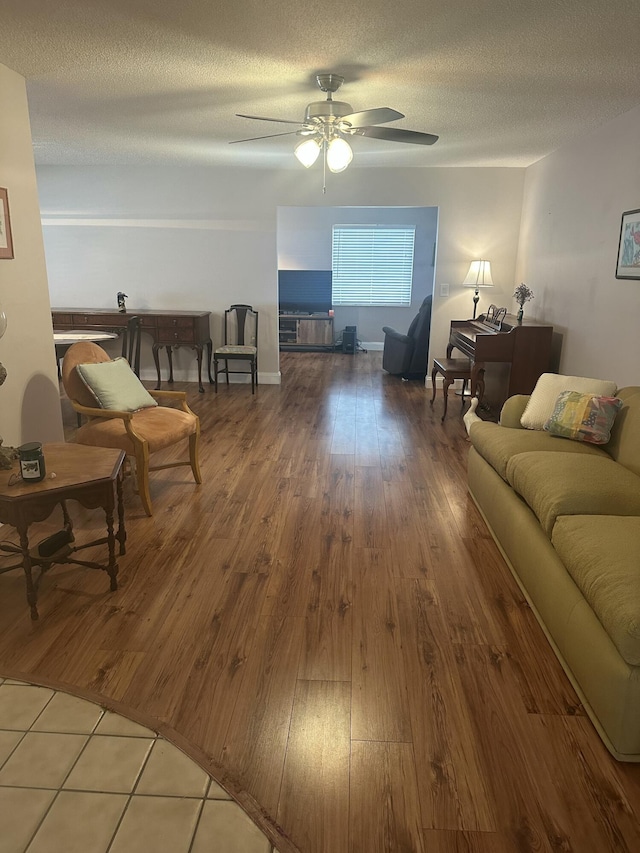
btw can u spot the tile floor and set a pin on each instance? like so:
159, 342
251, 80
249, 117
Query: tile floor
75, 778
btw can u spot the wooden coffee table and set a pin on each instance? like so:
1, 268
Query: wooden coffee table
92, 476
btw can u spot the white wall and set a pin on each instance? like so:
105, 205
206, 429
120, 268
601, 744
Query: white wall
30, 408
305, 242
573, 204
203, 238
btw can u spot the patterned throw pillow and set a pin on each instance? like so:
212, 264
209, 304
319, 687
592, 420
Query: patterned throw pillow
583, 417
549, 385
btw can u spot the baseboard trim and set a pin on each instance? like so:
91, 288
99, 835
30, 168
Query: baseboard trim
192, 376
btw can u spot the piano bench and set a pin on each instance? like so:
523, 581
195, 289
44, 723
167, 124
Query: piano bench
450, 369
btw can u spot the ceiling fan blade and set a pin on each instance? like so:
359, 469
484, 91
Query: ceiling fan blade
381, 115
262, 118
268, 136
396, 134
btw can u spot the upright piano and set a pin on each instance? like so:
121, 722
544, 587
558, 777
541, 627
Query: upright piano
507, 356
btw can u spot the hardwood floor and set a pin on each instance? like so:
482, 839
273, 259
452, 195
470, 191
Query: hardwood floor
327, 626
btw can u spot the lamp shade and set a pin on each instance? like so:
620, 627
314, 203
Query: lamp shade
479, 275
339, 154
307, 152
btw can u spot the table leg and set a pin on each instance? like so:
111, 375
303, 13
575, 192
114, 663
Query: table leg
445, 390
32, 595
156, 359
198, 349
112, 566
209, 359
68, 524
121, 535
434, 373
170, 357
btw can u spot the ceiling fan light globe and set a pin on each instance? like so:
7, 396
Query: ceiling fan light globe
307, 152
339, 154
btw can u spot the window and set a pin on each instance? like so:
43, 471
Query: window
372, 264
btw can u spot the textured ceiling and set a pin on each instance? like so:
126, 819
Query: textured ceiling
502, 82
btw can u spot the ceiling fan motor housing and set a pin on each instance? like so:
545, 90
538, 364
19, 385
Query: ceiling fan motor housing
329, 111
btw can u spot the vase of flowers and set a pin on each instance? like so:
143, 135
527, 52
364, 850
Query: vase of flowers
522, 294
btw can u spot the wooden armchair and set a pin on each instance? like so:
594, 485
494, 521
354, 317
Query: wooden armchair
139, 433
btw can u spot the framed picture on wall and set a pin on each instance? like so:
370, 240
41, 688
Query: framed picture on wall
629, 247
6, 243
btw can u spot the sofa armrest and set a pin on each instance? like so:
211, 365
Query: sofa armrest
397, 336
512, 411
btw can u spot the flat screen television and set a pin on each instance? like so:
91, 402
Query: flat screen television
305, 291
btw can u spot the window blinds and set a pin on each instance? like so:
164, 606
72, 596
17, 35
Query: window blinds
372, 264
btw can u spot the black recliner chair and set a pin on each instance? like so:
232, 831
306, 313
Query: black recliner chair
407, 355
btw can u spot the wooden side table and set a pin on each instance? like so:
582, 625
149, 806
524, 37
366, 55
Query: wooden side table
92, 476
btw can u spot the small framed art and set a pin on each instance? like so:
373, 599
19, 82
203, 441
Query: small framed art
6, 243
628, 265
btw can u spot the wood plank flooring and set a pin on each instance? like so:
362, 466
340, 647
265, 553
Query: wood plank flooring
327, 626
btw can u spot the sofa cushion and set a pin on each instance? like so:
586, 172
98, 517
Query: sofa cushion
583, 417
549, 386
497, 444
602, 555
554, 484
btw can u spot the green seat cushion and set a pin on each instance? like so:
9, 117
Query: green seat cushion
554, 484
602, 555
497, 444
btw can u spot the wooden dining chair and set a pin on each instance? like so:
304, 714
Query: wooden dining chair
240, 343
131, 344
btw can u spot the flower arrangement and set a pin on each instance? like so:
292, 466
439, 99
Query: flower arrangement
522, 294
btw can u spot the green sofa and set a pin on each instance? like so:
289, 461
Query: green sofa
566, 517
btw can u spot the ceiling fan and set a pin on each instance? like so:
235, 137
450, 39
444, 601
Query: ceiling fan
328, 124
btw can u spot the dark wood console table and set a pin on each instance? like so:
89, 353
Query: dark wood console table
92, 476
167, 328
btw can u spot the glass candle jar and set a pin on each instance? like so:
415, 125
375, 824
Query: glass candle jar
32, 467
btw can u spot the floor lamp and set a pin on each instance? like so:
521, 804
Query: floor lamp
479, 275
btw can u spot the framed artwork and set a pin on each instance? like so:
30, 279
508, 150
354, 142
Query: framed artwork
628, 265
6, 243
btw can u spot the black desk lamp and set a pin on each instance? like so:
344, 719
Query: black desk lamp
479, 275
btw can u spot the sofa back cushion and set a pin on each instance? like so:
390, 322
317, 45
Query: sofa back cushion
549, 386
624, 445
498, 444
555, 484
